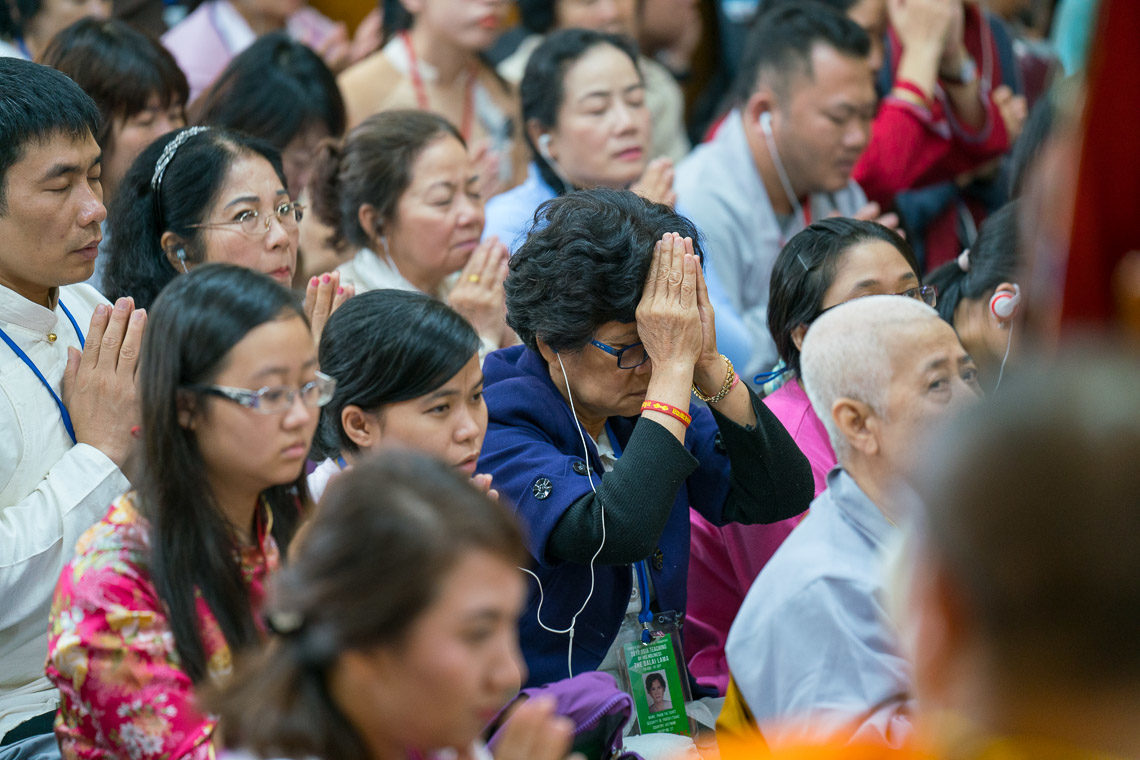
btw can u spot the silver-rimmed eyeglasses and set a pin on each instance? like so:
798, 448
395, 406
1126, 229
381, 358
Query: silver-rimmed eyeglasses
274, 399
629, 357
928, 294
253, 224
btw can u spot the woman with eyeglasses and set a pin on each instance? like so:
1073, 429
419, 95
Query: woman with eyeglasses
202, 195
832, 261
168, 585
592, 434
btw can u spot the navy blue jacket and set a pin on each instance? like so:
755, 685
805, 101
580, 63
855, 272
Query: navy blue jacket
534, 452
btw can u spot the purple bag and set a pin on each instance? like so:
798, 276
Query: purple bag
594, 703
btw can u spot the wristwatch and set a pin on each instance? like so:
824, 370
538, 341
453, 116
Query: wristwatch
967, 72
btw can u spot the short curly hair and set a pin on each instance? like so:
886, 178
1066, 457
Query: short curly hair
584, 264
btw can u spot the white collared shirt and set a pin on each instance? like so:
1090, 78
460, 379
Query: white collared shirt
51, 491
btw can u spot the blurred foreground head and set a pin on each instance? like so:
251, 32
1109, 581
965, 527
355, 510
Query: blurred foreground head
1023, 606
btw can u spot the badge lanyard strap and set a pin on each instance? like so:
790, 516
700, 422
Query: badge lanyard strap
421, 91
645, 617
63, 413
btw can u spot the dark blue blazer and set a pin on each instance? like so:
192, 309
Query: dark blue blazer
533, 437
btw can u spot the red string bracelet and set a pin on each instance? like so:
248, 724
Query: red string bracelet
669, 409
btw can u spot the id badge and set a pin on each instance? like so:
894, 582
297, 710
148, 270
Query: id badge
654, 675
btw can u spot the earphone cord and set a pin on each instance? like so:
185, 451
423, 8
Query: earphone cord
1008, 343
541, 597
785, 181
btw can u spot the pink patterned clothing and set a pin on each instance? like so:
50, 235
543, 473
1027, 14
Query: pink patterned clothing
724, 561
111, 651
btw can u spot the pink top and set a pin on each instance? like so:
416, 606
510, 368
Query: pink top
111, 651
723, 562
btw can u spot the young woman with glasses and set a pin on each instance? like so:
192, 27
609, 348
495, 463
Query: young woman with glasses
203, 195
168, 585
829, 263
592, 434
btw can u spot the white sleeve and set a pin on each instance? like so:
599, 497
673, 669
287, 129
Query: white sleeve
38, 532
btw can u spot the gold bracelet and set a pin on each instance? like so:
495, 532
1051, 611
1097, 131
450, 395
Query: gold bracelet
724, 389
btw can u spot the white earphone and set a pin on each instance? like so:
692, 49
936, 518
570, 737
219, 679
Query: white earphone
1004, 303
766, 122
544, 146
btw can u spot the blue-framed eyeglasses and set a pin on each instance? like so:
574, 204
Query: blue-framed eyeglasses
274, 399
629, 357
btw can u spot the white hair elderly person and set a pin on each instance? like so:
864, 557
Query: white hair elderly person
811, 656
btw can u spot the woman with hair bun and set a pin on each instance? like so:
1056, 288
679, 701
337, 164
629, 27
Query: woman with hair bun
401, 191
968, 286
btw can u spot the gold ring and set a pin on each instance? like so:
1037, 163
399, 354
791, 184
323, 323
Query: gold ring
473, 278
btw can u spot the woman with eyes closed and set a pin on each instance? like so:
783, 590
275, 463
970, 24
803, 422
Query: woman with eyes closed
168, 585
587, 125
409, 375
202, 195
830, 262
402, 192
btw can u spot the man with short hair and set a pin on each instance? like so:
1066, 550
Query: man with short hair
804, 99
67, 387
1021, 606
810, 651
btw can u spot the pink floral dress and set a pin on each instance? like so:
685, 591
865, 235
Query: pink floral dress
111, 651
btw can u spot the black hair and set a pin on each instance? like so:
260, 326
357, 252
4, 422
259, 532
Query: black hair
780, 44
653, 678
275, 89
992, 260
37, 103
386, 346
14, 14
541, 93
371, 562
537, 16
373, 165
119, 67
767, 6
584, 264
136, 264
192, 327
805, 269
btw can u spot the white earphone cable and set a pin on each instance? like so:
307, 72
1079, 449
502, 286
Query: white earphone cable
541, 596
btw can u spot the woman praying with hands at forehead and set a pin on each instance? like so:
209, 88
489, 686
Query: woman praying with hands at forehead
592, 416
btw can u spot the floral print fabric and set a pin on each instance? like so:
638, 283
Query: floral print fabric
111, 651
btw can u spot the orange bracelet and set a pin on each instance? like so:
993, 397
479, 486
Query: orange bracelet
669, 409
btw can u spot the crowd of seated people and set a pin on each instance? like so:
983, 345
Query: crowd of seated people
506, 382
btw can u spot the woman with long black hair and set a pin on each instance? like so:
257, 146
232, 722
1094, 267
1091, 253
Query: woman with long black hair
166, 586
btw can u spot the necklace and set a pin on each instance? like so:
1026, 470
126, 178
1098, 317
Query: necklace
421, 91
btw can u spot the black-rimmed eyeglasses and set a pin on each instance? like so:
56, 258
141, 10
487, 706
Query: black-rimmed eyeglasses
629, 357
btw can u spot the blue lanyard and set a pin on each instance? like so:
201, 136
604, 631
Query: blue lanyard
645, 617
36, 371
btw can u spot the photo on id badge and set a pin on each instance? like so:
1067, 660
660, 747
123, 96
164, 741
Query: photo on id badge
655, 684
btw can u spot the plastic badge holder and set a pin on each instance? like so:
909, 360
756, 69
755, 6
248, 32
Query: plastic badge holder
648, 664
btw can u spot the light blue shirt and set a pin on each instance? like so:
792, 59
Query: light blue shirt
510, 215
720, 189
811, 649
